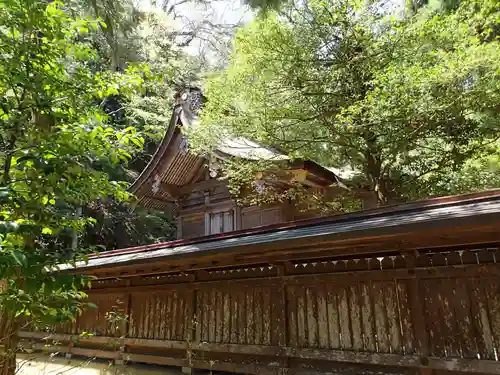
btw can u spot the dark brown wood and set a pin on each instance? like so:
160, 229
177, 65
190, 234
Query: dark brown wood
435, 309
416, 306
467, 365
454, 235
200, 186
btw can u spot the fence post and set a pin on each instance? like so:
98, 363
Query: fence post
416, 303
283, 316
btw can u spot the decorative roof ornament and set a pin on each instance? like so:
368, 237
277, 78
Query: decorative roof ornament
191, 99
155, 186
184, 145
260, 186
213, 168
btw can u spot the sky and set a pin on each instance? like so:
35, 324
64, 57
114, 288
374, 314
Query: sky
217, 12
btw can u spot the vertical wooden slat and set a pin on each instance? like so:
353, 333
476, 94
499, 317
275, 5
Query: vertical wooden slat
345, 323
276, 315
417, 307
158, 317
282, 307
212, 322
465, 330
199, 295
492, 291
301, 317
333, 320
258, 312
181, 316
477, 324
367, 317
323, 323
250, 317
406, 321
450, 328
393, 318
147, 317
205, 327
482, 305
163, 309
380, 317
355, 317
168, 316
226, 311
433, 317
151, 315
312, 318
219, 321
266, 316
132, 331
242, 317
175, 314
293, 326
234, 318
190, 315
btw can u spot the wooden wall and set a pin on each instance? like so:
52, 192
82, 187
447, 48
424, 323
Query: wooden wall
397, 313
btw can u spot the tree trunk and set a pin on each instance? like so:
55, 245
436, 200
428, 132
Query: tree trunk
7, 338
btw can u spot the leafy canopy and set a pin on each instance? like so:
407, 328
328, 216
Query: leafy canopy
405, 102
53, 144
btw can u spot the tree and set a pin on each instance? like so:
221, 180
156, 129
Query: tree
405, 102
130, 35
53, 143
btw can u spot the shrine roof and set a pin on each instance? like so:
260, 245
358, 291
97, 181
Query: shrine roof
443, 212
173, 166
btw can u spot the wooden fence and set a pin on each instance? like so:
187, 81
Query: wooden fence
398, 312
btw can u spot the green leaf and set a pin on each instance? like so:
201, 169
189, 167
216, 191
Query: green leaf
19, 258
47, 230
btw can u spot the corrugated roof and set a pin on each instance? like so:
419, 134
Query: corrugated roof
404, 215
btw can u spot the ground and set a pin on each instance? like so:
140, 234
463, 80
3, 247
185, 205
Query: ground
38, 364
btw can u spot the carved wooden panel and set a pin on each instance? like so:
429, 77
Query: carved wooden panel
253, 217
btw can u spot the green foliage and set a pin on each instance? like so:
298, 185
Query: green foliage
402, 101
53, 142
131, 36
118, 226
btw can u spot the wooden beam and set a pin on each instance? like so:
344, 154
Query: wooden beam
342, 356
201, 185
172, 190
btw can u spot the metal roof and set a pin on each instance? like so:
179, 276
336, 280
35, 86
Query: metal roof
404, 215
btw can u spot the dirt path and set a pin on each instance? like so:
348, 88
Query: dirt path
39, 364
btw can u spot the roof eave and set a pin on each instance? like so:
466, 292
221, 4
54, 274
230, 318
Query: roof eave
159, 154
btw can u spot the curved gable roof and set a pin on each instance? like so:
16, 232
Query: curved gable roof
172, 166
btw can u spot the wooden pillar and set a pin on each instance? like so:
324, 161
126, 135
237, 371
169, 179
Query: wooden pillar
237, 217
7, 338
179, 227
282, 317
207, 214
417, 306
